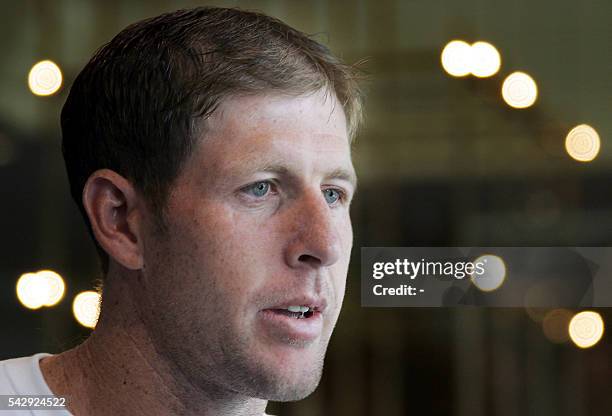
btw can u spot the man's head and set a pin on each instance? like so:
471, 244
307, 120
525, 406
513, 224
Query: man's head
209, 152
141, 103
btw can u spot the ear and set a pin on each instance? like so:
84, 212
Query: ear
115, 212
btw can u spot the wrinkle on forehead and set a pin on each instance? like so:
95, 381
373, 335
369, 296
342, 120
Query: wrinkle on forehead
306, 134
236, 111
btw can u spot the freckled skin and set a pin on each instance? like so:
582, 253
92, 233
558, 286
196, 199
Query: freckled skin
227, 255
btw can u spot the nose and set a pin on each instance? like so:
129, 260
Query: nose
315, 242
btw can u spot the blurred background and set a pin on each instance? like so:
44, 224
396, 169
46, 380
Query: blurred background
487, 123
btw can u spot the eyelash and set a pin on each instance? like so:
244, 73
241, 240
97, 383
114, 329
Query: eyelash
342, 195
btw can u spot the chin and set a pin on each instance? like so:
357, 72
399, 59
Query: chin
280, 390
280, 377
298, 369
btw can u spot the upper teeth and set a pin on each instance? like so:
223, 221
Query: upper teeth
298, 309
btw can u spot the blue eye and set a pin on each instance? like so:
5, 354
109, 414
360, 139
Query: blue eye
259, 189
331, 195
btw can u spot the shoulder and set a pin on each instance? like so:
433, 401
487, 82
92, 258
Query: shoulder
22, 375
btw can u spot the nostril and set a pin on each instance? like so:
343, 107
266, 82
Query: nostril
307, 258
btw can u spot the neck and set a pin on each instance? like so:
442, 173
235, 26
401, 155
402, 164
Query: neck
117, 370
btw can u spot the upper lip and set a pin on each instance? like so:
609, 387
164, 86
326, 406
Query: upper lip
318, 304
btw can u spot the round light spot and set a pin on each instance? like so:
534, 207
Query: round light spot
86, 308
55, 287
586, 329
519, 90
582, 143
493, 275
43, 288
45, 78
485, 60
31, 290
457, 58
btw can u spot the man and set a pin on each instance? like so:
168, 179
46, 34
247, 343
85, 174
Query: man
209, 152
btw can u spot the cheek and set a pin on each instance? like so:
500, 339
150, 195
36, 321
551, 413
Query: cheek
228, 251
208, 272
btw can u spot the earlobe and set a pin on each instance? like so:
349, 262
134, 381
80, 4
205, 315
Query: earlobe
115, 213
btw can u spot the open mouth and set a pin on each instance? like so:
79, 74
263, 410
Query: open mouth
297, 312
301, 324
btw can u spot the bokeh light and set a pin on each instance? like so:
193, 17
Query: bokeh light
86, 308
485, 60
457, 58
45, 78
43, 288
582, 143
480, 59
586, 329
519, 90
494, 273
30, 291
54, 285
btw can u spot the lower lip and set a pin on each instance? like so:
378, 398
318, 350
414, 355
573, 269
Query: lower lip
292, 329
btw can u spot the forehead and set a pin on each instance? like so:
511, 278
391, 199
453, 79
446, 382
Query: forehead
304, 131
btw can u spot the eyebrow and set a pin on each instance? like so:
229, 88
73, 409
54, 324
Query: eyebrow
345, 175
338, 173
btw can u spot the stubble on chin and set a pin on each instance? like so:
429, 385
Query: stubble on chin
269, 379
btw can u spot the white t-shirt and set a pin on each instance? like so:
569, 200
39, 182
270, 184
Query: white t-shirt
22, 376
